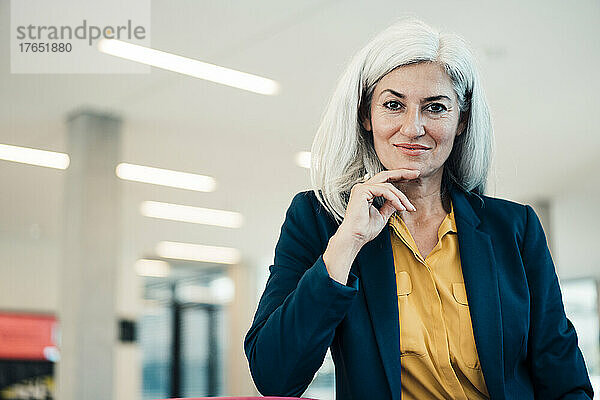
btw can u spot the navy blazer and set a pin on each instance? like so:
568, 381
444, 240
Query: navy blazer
526, 345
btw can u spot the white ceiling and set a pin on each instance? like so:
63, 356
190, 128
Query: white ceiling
539, 61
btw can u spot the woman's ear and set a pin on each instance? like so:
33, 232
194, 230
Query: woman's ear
460, 129
365, 117
366, 123
462, 124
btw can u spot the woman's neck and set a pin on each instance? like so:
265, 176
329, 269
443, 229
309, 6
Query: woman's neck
426, 195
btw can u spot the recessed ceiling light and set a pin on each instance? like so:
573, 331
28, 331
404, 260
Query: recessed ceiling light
188, 66
196, 215
26, 155
165, 177
198, 252
303, 159
154, 268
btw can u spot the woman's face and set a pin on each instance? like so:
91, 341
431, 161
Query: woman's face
414, 105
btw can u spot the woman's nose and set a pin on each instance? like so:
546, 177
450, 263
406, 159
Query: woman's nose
412, 125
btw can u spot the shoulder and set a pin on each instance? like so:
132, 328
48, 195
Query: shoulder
500, 215
304, 234
309, 217
304, 201
504, 207
306, 204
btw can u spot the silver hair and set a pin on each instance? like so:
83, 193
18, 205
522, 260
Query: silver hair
342, 153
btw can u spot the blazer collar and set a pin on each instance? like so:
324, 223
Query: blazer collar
376, 270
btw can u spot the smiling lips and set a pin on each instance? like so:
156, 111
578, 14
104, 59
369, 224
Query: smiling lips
412, 146
412, 149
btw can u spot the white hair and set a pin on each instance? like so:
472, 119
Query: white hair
342, 153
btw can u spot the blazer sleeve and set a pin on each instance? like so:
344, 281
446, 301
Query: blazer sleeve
299, 310
556, 364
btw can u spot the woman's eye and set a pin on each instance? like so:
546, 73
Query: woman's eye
393, 105
437, 107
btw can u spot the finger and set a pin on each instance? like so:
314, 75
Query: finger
396, 192
371, 191
387, 210
394, 175
403, 198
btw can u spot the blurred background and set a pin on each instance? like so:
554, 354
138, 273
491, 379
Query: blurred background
134, 283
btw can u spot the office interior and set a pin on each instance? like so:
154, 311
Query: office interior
138, 245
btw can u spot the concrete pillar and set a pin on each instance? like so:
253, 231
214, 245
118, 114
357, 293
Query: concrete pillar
88, 279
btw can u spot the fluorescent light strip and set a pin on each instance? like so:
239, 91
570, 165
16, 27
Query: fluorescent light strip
196, 215
26, 155
198, 252
154, 268
165, 177
303, 159
219, 291
188, 66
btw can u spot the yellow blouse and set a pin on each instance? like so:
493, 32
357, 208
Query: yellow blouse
438, 355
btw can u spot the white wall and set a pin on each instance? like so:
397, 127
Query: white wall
29, 273
576, 241
575, 221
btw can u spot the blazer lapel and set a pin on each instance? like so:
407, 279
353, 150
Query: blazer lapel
481, 283
376, 266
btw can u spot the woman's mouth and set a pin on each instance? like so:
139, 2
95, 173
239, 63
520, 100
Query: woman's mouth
412, 149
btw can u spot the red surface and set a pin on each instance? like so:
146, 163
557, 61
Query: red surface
24, 336
241, 398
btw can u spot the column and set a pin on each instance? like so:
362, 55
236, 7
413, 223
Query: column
90, 268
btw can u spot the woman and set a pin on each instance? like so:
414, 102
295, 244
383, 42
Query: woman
423, 287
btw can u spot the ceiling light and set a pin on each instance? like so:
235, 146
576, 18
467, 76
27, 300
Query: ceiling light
154, 268
198, 252
196, 215
220, 291
303, 159
26, 155
165, 177
188, 66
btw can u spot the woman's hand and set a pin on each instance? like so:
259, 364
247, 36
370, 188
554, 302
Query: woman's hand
363, 221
